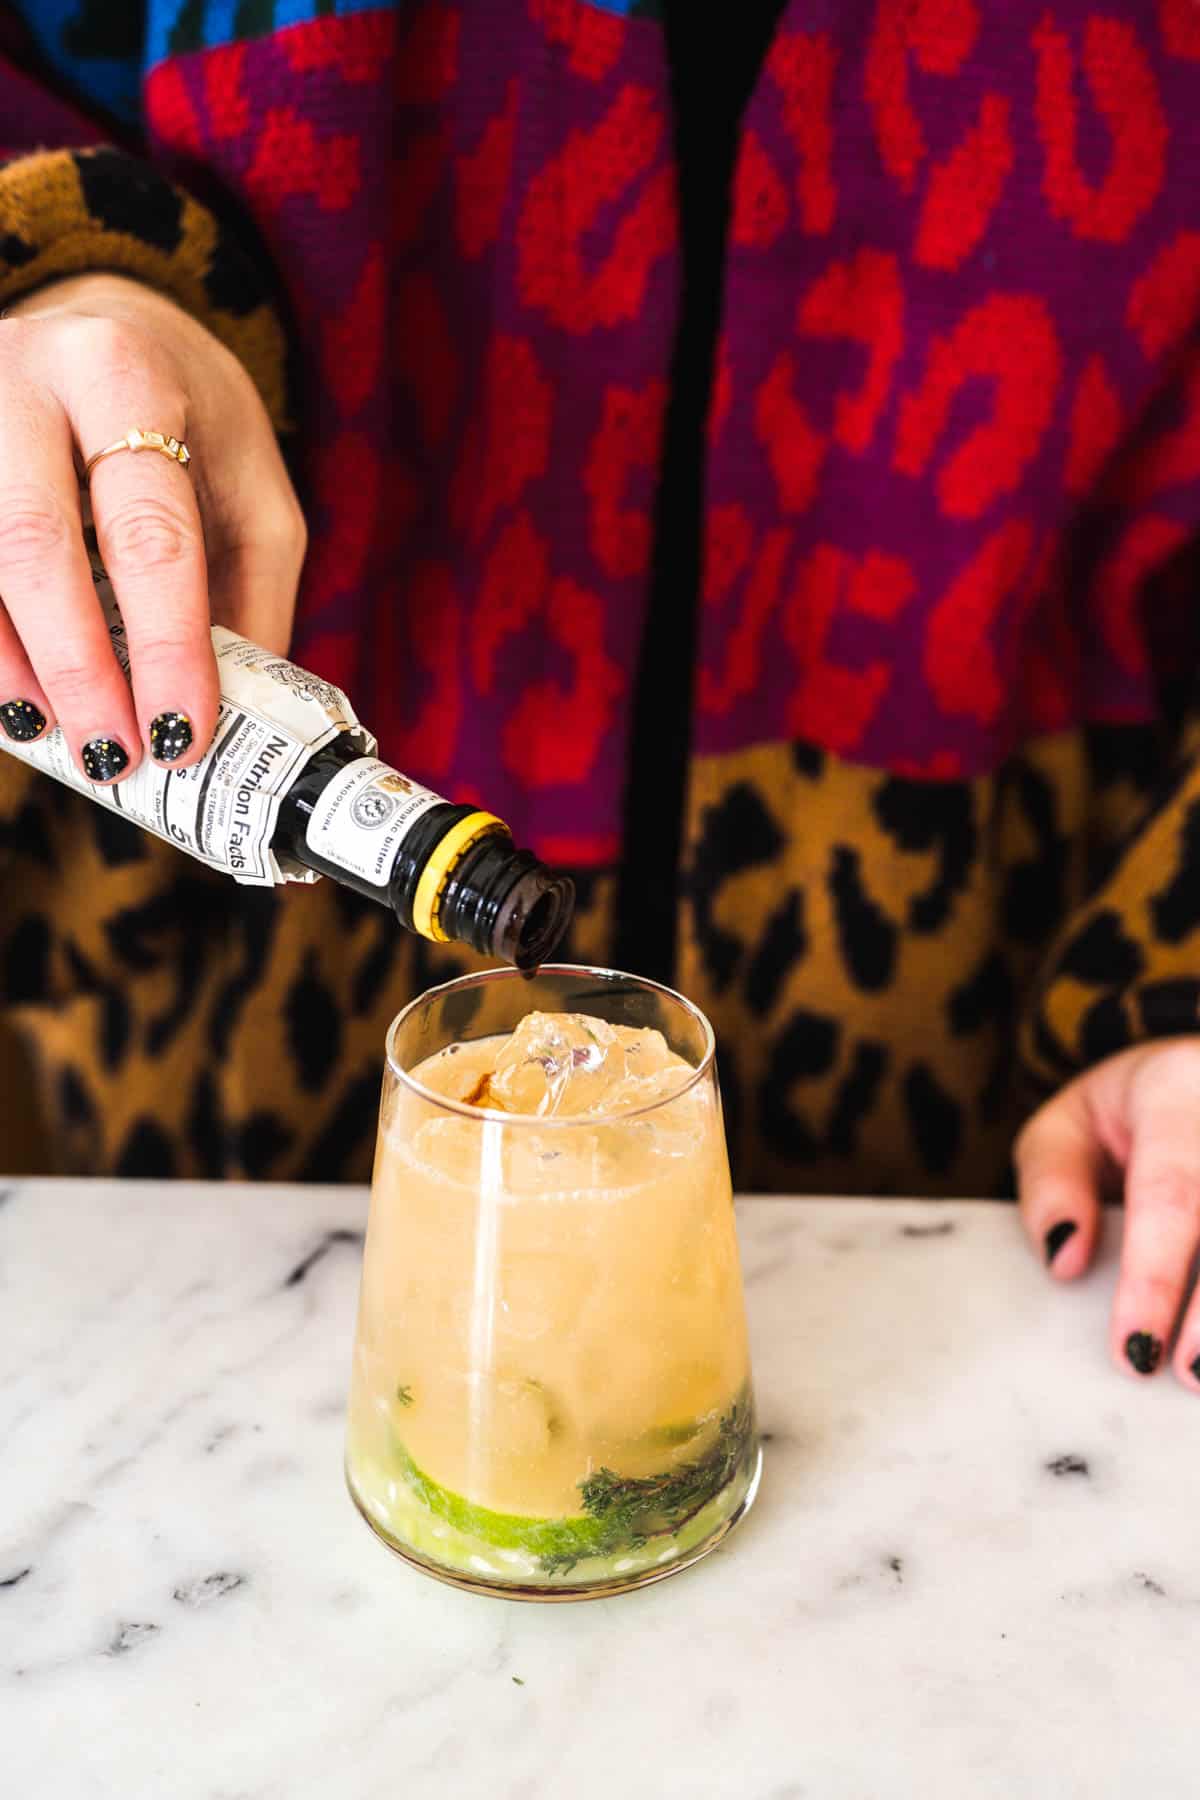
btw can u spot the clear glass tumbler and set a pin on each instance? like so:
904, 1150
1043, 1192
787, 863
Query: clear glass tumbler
551, 1395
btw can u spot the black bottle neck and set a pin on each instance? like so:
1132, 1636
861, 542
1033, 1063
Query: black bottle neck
499, 900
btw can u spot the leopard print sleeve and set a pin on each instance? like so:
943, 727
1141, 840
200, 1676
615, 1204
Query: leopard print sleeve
65, 212
1126, 967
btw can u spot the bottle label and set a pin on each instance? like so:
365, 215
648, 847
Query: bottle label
224, 809
363, 816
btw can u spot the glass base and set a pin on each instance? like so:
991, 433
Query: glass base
585, 1590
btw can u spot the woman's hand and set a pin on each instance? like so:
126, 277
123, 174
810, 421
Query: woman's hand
1137, 1113
81, 363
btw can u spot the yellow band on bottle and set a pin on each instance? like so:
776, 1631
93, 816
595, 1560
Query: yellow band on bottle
426, 905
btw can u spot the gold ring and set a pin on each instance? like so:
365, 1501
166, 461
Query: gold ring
172, 447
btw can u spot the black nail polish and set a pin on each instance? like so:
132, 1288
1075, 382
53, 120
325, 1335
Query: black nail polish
1143, 1351
1058, 1235
1196, 1367
22, 720
103, 759
170, 736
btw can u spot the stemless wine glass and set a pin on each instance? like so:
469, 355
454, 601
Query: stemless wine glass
551, 1396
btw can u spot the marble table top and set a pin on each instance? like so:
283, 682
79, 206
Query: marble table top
973, 1568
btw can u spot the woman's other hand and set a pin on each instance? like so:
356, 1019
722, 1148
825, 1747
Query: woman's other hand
1136, 1114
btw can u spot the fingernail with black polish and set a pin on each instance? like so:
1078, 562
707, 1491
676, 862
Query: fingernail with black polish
170, 736
1143, 1351
22, 720
1196, 1368
103, 759
1058, 1235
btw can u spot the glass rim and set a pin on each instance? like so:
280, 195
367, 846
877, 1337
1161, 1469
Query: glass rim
490, 1115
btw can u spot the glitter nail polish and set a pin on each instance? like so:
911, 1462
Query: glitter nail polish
1143, 1351
170, 736
22, 720
103, 759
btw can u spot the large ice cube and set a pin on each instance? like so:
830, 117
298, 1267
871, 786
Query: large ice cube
570, 1065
